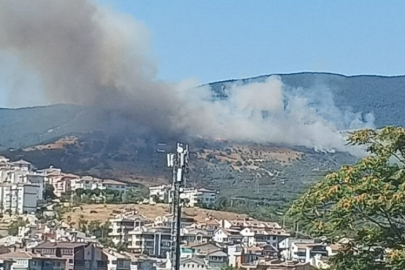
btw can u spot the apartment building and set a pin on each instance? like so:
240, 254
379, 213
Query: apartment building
121, 226
191, 196
88, 183
255, 232
64, 183
155, 240
160, 193
150, 240
19, 198
91, 183
114, 185
22, 165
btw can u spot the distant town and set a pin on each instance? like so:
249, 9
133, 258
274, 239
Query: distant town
38, 235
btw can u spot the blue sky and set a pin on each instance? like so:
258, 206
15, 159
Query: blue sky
221, 39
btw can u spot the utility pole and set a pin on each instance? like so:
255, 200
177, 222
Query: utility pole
179, 163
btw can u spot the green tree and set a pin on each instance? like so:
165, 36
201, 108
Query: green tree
122, 246
59, 211
222, 203
112, 196
66, 196
13, 227
98, 229
79, 192
83, 224
364, 203
135, 195
49, 192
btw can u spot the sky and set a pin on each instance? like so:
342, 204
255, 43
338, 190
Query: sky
215, 40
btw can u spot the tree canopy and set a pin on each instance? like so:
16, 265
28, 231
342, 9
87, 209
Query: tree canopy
364, 203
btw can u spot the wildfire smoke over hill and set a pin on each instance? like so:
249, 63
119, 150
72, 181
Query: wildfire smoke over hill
86, 54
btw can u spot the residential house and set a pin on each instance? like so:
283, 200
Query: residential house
221, 236
234, 255
201, 250
193, 235
210, 226
79, 256
192, 264
216, 259
23, 260
6, 264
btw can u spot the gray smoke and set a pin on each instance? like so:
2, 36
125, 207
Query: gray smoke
85, 54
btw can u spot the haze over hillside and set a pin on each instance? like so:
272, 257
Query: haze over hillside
383, 97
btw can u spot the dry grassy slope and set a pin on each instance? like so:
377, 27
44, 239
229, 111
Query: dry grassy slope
58, 144
103, 212
250, 157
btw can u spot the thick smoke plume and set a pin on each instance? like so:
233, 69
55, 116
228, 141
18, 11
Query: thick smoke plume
86, 54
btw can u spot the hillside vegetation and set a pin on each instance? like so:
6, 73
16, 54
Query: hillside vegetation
86, 140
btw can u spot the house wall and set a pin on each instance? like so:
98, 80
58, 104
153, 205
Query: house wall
220, 237
46, 264
29, 198
207, 197
192, 266
20, 264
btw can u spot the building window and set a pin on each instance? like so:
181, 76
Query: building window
114, 262
70, 260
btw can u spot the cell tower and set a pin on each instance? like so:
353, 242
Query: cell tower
179, 163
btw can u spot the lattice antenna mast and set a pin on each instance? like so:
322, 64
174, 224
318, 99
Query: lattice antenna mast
179, 163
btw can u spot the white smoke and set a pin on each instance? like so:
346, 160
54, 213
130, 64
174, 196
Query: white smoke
85, 54
266, 112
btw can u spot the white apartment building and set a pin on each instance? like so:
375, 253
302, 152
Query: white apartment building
64, 183
155, 240
162, 193
253, 232
22, 165
87, 183
120, 226
91, 183
202, 196
19, 198
191, 196
114, 185
152, 241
